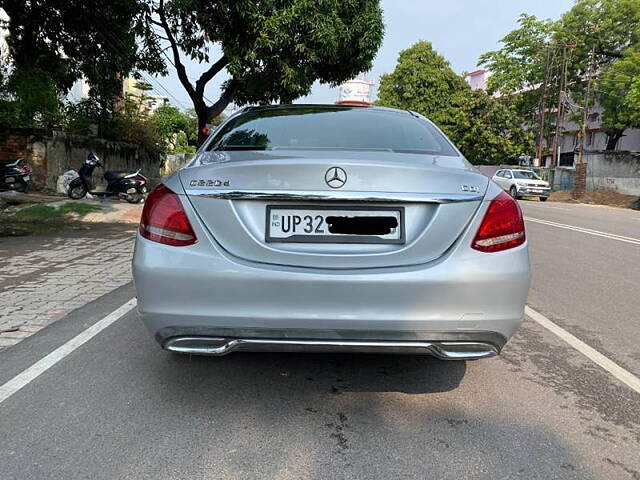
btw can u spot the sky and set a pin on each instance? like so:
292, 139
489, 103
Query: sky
460, 30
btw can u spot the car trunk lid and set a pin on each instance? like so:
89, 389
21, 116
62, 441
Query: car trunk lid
232, 193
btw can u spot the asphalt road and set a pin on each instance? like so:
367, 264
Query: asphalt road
118, 407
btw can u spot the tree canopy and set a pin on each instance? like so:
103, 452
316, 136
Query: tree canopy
423, 81
272, 50
69, 39
619, 93
486, 129
592, 37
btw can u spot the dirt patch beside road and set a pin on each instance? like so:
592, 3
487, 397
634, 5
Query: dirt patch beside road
600, 197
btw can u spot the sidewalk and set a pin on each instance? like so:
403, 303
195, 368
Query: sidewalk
44, 277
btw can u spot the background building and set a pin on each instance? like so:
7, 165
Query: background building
478, 79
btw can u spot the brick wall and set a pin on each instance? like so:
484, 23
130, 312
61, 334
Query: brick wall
52, 153
19, 143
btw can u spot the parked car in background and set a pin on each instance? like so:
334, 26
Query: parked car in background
522, 183
331, 228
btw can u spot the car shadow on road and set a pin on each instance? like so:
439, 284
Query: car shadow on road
337, 373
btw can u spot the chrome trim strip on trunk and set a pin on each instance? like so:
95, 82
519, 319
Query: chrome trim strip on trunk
335, 196
218, 346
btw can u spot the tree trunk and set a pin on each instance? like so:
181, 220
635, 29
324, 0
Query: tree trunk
613, 136
206, 114
202, 125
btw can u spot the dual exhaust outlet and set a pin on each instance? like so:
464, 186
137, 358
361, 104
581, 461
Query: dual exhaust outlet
218, 346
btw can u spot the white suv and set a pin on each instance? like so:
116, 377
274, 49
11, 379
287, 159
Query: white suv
522, 183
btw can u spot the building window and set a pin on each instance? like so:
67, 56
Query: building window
566, 159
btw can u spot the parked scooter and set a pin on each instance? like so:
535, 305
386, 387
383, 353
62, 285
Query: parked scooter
15, 176
128, 184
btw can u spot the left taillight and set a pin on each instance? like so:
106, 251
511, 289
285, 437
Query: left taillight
164, 220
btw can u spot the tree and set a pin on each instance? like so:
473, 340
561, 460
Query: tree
526, 71
619, 93
68, 39
424, 82
593, 35
484, 128
489, 130
169, 120
272, 50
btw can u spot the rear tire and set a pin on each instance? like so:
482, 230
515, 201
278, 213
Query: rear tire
543, 199
139, 196
76, 191
513, 191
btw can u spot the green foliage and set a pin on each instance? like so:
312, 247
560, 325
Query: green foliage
83, 118
28, 99
182, 145
619, 93
424, 82
520, 63
593, 35
518, 69
101, 41
179, 129
132, 125
484, 128
489, 130
169, 120
273, 50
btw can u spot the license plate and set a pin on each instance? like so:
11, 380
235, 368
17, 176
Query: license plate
313, 224
9, 179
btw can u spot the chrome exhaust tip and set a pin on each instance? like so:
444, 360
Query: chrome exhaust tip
218, 346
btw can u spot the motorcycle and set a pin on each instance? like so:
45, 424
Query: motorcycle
15, 176
130, 185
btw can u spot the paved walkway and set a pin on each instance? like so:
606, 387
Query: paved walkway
43, 278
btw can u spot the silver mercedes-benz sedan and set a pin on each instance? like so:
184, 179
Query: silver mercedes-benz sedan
331, 228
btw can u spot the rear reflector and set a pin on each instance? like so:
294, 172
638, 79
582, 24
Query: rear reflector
164, 220
502, 226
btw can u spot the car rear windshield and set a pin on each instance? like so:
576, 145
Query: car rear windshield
525, 175
330, 128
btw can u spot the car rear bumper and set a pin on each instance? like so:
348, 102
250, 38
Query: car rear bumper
213, 304
534, 192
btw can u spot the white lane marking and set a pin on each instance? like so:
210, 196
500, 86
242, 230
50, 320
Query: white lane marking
596, 357
41, 366
544, 206
612, 236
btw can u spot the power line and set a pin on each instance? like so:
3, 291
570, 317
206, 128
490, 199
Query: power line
113, 47
191, 79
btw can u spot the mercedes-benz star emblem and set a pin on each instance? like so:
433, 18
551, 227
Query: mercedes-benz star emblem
335, 177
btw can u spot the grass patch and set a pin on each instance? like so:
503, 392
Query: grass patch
38, 219
48, 213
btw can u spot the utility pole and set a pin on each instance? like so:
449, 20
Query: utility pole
543, 103
562, 70
581, 167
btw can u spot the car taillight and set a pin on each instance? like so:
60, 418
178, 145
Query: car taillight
164, 220
502, 226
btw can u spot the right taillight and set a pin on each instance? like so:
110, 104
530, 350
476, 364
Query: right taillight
502, 226
164, 220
